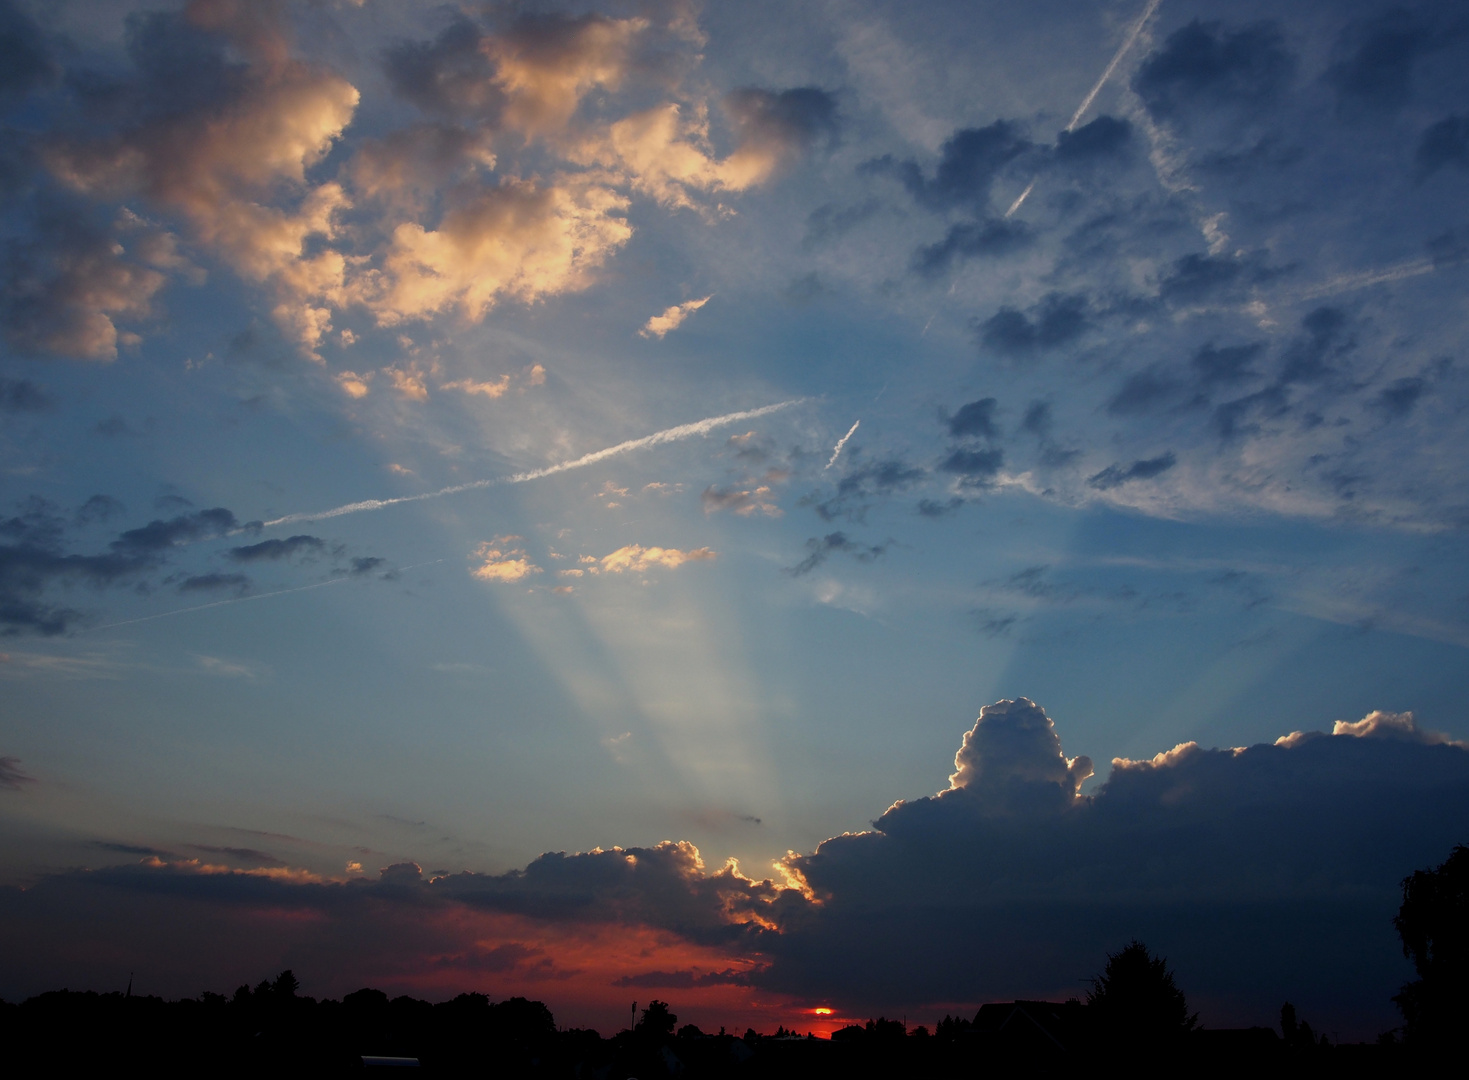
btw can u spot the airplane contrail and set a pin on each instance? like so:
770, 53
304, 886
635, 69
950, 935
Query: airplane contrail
1086, 102
243, 599
658, 438
841, 443
1348, 282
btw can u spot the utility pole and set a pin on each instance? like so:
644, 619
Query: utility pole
634, 1024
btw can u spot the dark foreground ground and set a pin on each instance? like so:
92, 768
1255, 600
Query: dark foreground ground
270, 1034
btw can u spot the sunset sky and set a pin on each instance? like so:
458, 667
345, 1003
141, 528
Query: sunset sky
468, 471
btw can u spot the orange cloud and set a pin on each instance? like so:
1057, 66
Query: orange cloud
636, 559
508, 565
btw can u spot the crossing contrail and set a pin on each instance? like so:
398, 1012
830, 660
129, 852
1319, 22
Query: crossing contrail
841, 443
1086, 102
658, 438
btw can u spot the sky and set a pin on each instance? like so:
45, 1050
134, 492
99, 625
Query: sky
843, 506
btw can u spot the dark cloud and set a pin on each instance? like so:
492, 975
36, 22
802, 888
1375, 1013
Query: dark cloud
1398, 398
1195, 279
1378, 57
1103, 139
789, 120
821, 548
128, 849
213, 582
1058, 319
975, 468
1142, 392
862, 484
1327, 338
968, 240
22, 395
159, 535
1262, 872
1038, 419
1232, 419
1230, 364
12, 776
274, 550
932, 508
1204, 66
98, 508
26, 63
1444, 143
449, 76
686, 980
1145, 469
969, 161
366, 564
975, 420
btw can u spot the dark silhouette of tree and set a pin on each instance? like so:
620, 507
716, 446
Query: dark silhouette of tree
1297, 1034
285, 985
1135, 1002
656, 1020
1434, 925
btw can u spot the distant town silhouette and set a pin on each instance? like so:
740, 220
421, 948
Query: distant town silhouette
1134, 1017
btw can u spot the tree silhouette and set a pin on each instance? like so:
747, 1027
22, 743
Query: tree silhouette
1434, 925
1136, 1002
656, 1020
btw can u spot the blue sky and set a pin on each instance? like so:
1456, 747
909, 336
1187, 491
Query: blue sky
1156, 408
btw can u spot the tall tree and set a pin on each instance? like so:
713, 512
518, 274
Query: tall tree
1134, 1002
1434, 925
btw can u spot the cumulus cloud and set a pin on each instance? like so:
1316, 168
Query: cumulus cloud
1057, 320
277, 548
659, 325
499, 561
636, 559
1206, 65
1011, 762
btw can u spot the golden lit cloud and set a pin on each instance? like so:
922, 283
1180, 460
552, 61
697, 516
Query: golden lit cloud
500, 562
659, 325
353, 384
634, 558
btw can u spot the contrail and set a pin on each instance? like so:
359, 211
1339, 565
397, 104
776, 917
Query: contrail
1348, 282
658, 438
841, 443
243, 599
1086, 102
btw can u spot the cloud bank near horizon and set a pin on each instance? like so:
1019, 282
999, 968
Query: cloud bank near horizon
1264, 873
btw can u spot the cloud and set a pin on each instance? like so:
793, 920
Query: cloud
1203, 65
975, 468
275, 550
1057, 320
23, 396
774, 128
659, 325
246, 140
1104, 138
12, 776
967, 240
159, 535
501, 562
741, 501
1145, 469
969, 161
214, 581
69, 285
1008, 882
975, 420
636, 559
518, 239
26, 62
821, 548
1398, 398
1444, 143
1225, 365
1375, 70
